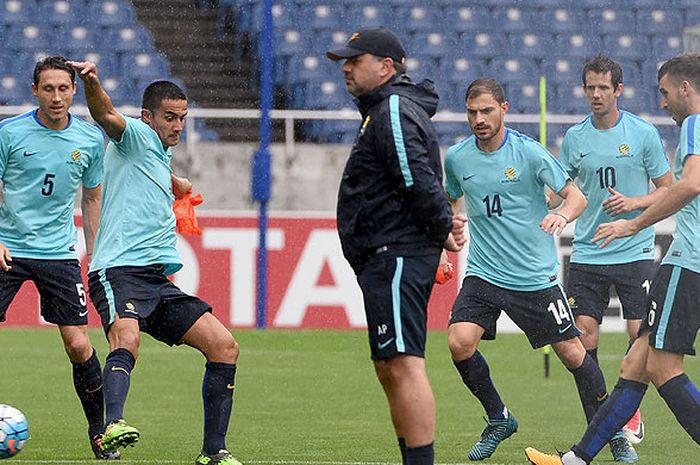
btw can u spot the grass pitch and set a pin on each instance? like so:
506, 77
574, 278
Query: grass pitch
311, 397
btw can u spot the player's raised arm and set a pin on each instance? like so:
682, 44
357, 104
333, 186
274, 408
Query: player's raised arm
99, 103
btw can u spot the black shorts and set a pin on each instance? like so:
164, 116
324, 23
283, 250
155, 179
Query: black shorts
147, 295
588, 288
673, 316
63, 298
544, 316
396, 290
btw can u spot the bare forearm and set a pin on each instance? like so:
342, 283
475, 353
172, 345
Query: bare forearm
646, 201
668, 203
91, 219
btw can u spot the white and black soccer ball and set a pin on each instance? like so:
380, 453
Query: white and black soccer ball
14, 431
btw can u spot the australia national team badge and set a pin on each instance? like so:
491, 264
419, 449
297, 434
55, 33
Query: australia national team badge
511, 175
624, 150
75, 155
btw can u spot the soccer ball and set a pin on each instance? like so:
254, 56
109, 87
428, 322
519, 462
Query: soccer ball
14, 431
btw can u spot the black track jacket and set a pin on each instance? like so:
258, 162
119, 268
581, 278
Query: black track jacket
391, 192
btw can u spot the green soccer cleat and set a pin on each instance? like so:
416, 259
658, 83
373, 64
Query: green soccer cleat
100, 453
622, 450
224, 457
119, 434
496, 432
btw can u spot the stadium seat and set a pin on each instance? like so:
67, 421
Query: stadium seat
112, 13
650, 71
511, 71
612, 21
514, 19
432, 44
626, 46
131, 38
581, 46
563, 70
421, 67
561, 20
659, 21
13, 91
28, 37
326, 16
469, 19
107, 63
530, 44
523, 98
638, 100
666, 46
78, 40
121, 91
631, 73
327, 95
368, 15
421, 18
290, 42
482, 44
147, 66
17, 11
569, 99
63, 12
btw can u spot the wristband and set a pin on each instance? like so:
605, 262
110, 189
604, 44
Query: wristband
565, 218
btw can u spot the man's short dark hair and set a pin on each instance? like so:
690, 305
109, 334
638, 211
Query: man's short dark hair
603, 64
158, 91
683, 67
486, 86
55, 62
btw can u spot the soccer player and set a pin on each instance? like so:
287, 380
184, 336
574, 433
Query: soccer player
135, 252
613, 154
393, 220
671, 325
512, 263
45, 157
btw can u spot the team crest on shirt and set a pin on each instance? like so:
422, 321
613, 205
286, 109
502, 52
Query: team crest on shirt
75, 157
624, 151
511, 175
572, 302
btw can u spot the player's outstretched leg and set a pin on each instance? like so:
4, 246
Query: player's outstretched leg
117, 379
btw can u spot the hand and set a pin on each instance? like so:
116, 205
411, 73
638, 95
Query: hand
181, 186
618, 203
607, 232
553, 223
457, 238
87, 70
5, 258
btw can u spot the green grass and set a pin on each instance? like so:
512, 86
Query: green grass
311, 396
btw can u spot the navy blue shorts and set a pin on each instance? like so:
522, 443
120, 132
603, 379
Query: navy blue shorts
144, 293
60, 286
544, 316
396, 290
588, 288
673, 312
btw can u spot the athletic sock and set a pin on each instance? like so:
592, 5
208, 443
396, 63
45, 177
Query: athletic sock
683, 398
404, 451
217, 393
116, 379
87, 379
571, 459
623, 401
590, 385
423, 455
594, 354
477, 377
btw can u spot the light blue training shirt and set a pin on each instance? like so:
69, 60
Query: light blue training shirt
42, 170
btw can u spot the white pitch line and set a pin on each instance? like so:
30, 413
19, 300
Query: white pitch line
260, 462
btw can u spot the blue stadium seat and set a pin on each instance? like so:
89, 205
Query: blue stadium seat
107, 63
569, 99
638, 100
531, 45
631, 73
421, 67
659, 21
29, 37
121, 91
561, 20
323, 16
63, 12
419, 18
432, 44
368, 15
666, 46
626, 46
14, 91
17, 11
611, 20
563, 70
131, 38
482, 44
469, 19
327, 95
290, 42
78, 39
581, 46
650, 71
511, 71
146, 66
692, 17
112, 13
514, 19
524, 98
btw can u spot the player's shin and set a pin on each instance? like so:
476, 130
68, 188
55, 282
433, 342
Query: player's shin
591, 386
217, 393
683, 398
87, 379
117, 379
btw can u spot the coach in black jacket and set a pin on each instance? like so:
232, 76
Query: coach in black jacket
393, 221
